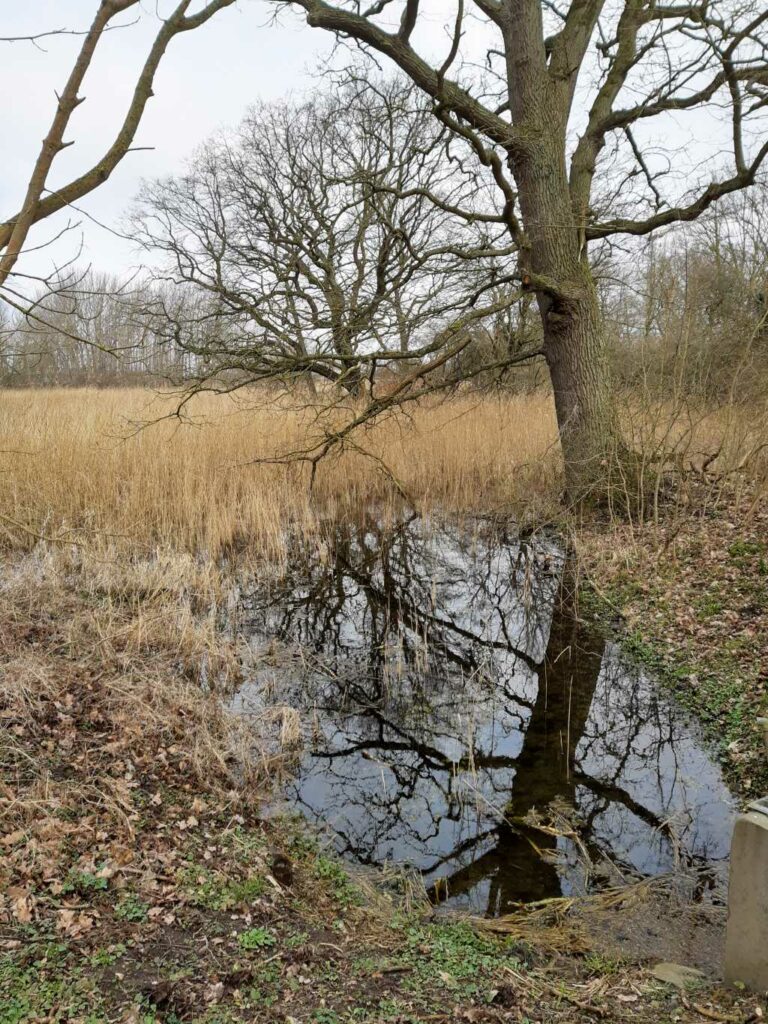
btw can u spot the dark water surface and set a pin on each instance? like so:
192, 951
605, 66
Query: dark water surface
454, 703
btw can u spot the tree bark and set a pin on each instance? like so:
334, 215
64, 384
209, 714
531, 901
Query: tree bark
575, 348
554, 254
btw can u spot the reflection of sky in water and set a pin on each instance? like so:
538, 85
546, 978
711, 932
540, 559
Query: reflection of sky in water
445, 685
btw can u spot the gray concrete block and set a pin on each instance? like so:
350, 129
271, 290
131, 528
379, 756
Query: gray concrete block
746, 948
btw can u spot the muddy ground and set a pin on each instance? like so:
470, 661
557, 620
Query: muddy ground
141, 882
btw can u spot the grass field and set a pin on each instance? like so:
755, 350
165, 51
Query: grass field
115, 466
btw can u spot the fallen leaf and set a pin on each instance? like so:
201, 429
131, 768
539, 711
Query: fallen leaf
22, 907
13, 837
74, 924
215, 993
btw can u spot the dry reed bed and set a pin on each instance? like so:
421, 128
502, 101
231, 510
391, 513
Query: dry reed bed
74, 465
105, 464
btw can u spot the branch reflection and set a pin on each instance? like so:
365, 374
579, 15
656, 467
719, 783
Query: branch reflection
452, 692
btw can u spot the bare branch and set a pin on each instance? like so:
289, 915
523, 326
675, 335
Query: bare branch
684, 212
36, 207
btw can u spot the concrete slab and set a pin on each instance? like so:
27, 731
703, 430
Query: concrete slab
746, 948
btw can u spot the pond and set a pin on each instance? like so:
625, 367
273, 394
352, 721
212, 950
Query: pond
462, 718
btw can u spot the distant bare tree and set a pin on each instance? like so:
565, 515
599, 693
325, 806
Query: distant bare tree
691, 307
326, 238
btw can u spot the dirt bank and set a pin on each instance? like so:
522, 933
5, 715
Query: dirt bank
689, 598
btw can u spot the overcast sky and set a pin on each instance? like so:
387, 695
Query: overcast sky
207, 79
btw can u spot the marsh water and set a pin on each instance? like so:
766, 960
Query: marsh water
463, 719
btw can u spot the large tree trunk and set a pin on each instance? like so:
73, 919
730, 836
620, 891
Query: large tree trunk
554, 253
575, 347
576, 352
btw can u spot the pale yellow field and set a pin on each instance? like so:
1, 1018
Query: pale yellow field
76, 465
110, 466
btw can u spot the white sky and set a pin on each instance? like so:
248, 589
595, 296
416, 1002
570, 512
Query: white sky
207, 79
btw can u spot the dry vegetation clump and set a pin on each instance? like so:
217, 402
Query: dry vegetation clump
708, 451
101, 706
75, 467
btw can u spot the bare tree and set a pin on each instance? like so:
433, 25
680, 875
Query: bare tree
561, 103
324, 236
40, 201
689, 308
81, 329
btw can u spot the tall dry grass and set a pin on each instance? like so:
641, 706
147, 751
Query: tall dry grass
109, 465
76, 465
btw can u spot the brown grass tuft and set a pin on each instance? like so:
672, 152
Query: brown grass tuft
75, 466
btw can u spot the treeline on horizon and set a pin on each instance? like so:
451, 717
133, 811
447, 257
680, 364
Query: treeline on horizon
693, 308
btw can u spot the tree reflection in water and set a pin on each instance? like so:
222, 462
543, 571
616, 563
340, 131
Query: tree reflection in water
451, 690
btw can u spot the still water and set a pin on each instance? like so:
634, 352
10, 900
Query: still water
461, 718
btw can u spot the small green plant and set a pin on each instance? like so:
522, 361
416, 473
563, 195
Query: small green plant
303, 846
215, 891
297, 940
130, 908
106, 957
148, 1014
709, 606
256, 938
326, 1017
265, 988
330, 870
247, 890
83, 882
599, 964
